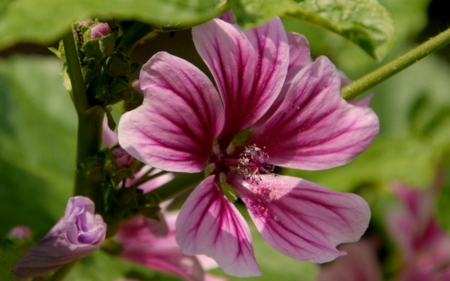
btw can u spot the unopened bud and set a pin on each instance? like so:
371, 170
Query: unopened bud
100, 30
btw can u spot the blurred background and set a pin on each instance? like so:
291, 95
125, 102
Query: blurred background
412, 152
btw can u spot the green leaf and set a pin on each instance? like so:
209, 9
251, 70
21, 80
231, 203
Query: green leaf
408, 160
443, 201
10, 252
44, 21
364, 22
37, 137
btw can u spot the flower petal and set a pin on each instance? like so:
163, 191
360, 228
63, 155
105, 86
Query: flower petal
302, 219
209, 224
360, 264
141, 244
249, 67
299, 55
181, 115
315, 128
109, 137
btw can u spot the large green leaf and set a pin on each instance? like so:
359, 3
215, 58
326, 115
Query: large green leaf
364, 22
409, 17
44, 21
37, 137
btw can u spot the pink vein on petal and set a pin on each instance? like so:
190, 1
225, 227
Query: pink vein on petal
209, 224
304, 220
314, 128
249, 67
182, 113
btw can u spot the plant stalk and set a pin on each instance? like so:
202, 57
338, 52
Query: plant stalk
377, 76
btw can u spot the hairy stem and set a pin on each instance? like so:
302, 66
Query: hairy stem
89, 125
377, 76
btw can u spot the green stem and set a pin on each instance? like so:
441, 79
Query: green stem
377, 76
89, 125
79, 96
175, 187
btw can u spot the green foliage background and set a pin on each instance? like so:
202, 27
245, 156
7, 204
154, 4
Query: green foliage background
38, 121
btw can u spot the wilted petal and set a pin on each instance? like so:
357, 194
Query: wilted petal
209, 224
249, 67
181, 115
76, 235
315, 128
304, 220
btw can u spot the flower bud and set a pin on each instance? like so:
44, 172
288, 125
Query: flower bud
123, 159
100, 30
77, 234
21, 232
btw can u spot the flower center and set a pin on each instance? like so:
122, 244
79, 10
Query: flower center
252, 161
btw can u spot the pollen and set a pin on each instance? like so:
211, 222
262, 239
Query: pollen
253, 161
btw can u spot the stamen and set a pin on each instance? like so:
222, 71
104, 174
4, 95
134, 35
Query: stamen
252, 161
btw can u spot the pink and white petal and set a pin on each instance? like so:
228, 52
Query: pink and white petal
182, 113
109, 137
209, 224
228, 17
299, 55
249, 67
170, 260
151, 184
364, 102
315, 128
302, 219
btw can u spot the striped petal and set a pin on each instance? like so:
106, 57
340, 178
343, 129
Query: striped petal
314, 128
249, 67
302, 219
209, 224
175, 127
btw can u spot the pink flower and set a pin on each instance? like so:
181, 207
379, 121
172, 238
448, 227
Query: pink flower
152, 244
424, 245
77, 234
273, 107
124, 160
360, 264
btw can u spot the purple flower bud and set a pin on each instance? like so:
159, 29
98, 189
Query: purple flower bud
20, 232
123, 159
100, 30
77, 234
